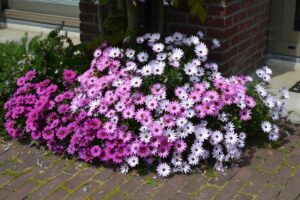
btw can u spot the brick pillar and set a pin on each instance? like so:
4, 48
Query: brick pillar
240, 25
88, 20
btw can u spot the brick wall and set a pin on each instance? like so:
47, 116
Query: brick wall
240, 25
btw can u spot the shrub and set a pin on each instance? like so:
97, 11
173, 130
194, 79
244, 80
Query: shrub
48, 56
161, 104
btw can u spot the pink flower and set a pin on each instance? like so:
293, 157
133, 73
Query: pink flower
95, 151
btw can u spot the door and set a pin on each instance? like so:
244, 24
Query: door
284, 35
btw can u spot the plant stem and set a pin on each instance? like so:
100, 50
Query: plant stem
100, 19
132, 18
161, 16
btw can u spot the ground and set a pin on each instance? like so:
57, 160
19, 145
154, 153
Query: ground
34, 173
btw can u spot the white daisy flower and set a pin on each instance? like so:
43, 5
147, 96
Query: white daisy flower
133, 161
130, 53
170, 134
163, 170
266, 77
143, 57
146, 70
161, 56
143, 129
273, 136
201, 133
176, 54
158, 47
180, 122
94, 104
124, 168
189, 127
140, 40
231, 138
114, 52
190, 69
177, 36
169, 40
284, 93
201, 49
216, 137
176, 160
275, 115
117, 83
216, 43
240, 143
194, 39
270, 102
200, 34
187, 103
266, 127
242, 135
145, 137
174, 63
193, 159
182, 133
190, 113
267, 70
261, 91
185, 168
158, 68
154, 37
275, 129
200, 71
260, 73
119, 106
197, 149
131, 66
136, 82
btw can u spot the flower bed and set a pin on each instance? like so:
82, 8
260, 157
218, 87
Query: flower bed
160, 103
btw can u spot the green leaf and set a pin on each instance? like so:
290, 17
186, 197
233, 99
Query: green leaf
103, 2
176, 3
202, 13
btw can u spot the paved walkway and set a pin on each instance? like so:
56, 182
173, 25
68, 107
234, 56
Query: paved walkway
32, 173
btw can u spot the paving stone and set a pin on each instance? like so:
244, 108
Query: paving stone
181, 196
110, 185
194, 183
5, 179
255, 183
23, 192
58, 194
275, 184
80, 178
243, 197
104, 175
221, 179
292, 189
47, 189
207, 193
171, 187
144, 192
273, 161
294, 158
51, 172
229, 190
21, 180
132, 185
4, 193
83, 191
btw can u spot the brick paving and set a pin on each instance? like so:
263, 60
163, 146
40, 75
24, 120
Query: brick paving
34, 173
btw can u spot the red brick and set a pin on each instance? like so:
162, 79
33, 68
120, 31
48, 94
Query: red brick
87, 7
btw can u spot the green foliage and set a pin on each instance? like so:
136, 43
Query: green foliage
196, 8
49, 56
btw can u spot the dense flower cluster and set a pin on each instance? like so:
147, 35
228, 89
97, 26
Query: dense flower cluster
161, 103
